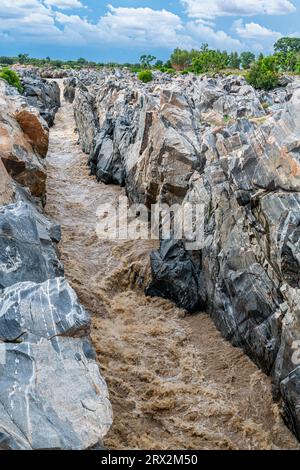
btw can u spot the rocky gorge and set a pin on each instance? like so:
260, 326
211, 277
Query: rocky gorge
52, 394
212, 141
235, 150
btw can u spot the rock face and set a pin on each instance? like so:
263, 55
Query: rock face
173, 270
70, 89
24, 138
234, 151
52, 393
43, 95
27, 251
6, 186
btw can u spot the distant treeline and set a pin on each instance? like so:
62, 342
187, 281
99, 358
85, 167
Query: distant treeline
25, 59
286, 59
261, 72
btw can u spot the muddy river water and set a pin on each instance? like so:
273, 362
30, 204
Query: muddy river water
174, 383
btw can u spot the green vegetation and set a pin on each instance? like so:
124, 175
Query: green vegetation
145, 76
286, 45
146, 61
209, 60
263, 74
11, 77
180, 59
247, 58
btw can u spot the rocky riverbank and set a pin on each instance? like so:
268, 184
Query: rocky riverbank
52, 394
235, 151
215, 142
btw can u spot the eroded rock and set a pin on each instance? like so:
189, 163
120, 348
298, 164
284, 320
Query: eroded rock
219, 143
43, 95
52, 395
24, 138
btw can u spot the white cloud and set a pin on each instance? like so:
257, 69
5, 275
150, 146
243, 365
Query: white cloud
254, 31
143, 26
210, 9
64, 4
219, 39
26, 21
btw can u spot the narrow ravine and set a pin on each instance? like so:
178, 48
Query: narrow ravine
174, 382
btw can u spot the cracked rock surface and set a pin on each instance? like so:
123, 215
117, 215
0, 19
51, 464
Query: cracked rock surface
219, 143
52, 395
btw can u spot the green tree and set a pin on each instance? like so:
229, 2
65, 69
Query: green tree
23, 58
286, 61
286, 45
210, 61
263, 74
180, 59
57, 63
159, 64
234, 60
82, 61
6, 60
146, 60
247, 58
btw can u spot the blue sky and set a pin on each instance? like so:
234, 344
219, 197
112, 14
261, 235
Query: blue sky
121, 30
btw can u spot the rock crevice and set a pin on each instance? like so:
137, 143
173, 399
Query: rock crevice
212, 141
52, 395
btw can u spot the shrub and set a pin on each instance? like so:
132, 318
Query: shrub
145, 76
11, 77
263, 74
184, 72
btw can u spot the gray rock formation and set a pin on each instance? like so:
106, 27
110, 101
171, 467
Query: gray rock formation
24, 140
27, 251
43, 95
69, 89
52, 395
173, 269
219, 143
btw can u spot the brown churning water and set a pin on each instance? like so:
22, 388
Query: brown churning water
174, 382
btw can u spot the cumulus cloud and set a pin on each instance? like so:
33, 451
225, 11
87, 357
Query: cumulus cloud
215, 38
254, 31
64, 4
213, 8
132, 27
143, 26
27, 19
22, 21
